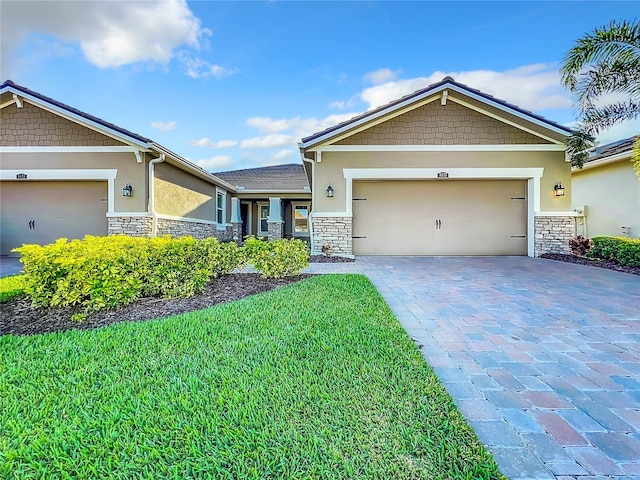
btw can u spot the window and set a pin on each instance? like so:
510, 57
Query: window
221, 207
301, 219
263, 228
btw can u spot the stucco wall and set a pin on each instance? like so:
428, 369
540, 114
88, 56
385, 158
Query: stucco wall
33, 126
128, 171
182, 195
435, 124
611, 194
330, 170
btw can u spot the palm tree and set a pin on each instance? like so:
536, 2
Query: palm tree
601, 63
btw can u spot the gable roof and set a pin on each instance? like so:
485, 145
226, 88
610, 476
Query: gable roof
288, 177
445, 83
99, 124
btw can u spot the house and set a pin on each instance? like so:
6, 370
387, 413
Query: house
276, 197
65, 173
606, 192
446, 170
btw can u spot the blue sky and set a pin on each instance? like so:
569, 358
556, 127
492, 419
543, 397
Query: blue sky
237, 84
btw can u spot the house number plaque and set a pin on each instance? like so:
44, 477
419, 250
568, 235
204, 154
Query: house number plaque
21, 176
443, 175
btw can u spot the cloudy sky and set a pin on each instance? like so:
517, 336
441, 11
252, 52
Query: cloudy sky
237, 84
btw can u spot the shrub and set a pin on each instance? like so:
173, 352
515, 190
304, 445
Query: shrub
621, 250
11, 286
277, 258
106, 272
580, 245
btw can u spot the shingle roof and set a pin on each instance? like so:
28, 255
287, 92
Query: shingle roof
277, 177
611, 149
75, 111
426, 90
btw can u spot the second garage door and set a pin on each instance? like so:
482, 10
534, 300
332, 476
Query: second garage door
42, 212
445, 217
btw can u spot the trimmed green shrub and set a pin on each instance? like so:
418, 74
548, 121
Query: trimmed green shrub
11, 286
621, 250
277, 258
106, 272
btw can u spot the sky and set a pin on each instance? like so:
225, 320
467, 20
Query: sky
237, 84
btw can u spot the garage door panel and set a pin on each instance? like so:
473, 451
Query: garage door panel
42, 212
440, 218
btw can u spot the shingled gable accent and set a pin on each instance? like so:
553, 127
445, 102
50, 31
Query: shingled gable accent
380, 114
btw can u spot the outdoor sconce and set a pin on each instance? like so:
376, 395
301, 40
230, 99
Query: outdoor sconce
558, 189
329, 191
127, 190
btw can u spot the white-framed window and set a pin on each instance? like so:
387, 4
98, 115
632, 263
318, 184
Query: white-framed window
263, 218
300, 221
221, 207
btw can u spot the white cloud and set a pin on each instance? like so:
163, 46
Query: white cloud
269, 141
620, 131
283, 155
215, 163
206, 143
533, 87
384, 75
199, 68
110, 34
164, 126
337, 105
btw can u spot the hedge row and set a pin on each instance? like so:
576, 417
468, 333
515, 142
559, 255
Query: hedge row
621, 250
107, 272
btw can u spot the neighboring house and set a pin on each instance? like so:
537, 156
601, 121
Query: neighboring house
447, 170
276, 197
65, 173
607, 192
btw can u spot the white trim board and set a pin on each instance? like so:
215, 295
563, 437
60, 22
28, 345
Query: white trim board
80, 149
444, 148
67, 174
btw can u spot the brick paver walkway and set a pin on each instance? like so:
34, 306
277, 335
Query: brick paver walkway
542, 357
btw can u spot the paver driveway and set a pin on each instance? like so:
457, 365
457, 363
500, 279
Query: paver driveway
542, 357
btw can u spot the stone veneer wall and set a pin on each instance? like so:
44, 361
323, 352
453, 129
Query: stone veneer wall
132, 226
179, 228
552, 234
276, 230
236, 232
333, 231
143, 226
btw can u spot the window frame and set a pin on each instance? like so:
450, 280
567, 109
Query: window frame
220, 193
263, 233
293, 219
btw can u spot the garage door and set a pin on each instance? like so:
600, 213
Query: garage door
445, 217
41, 212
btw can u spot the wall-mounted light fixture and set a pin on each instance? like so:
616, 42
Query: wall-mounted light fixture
558, 189
127, 190
329, 191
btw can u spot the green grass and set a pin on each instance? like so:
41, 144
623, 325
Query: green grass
313, 380
11, 287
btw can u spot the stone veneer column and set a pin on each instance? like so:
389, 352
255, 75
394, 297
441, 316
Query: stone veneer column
552, 234
275, 222
335, 232
236, 220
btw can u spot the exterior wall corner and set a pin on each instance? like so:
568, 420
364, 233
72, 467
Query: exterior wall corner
552, 234
335, 232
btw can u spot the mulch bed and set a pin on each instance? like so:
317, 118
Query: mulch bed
19, 317
588, 261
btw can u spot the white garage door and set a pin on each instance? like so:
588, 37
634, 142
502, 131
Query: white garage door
41, 212
445, 217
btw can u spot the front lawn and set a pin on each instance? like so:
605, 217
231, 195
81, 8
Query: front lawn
313, 380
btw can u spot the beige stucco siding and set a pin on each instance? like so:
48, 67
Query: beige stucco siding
33, 126
434, 124
180, 194
330, 171
611, 194
128, 170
